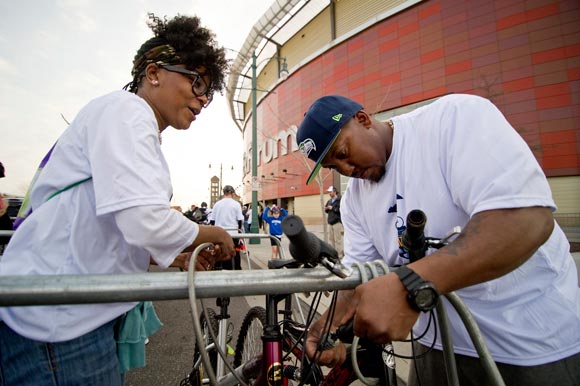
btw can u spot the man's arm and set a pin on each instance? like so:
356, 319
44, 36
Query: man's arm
492, 244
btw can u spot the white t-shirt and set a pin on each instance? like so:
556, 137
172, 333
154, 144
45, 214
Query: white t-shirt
226, 213
453, 159
249, 214
110, 224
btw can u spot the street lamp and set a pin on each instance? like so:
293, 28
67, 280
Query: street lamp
254, 228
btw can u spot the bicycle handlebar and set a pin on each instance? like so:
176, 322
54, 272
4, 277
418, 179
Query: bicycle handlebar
413, 237
308, 249
305, 247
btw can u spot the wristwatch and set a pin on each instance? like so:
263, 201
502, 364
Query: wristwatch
422, 295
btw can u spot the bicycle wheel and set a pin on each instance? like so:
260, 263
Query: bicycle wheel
249, 344
199, 373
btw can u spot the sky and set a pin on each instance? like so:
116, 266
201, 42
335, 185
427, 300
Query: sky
57, 55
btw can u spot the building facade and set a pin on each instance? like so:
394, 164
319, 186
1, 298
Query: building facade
392, 56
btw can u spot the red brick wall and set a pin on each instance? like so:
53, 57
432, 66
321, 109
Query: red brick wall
523, 55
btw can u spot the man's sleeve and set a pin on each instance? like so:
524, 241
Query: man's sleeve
486, 162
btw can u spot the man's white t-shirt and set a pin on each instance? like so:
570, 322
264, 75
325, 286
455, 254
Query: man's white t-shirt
453, 159
114, 140
226, 213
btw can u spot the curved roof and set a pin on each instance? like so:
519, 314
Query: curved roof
276, 26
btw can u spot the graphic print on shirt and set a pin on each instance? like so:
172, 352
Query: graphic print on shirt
400, 225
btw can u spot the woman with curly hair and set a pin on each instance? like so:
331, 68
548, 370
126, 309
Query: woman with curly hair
99, 204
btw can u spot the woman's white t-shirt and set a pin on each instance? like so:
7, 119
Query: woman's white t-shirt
114, 141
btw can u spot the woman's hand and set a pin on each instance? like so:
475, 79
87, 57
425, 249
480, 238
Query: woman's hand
204, 261
223, 244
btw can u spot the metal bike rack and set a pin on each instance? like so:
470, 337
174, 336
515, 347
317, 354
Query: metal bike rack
86, 289
83, 289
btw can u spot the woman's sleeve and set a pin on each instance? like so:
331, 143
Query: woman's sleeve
163, 232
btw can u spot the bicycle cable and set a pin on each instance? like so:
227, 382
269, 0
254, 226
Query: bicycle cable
412, 340
309, 319
326, 327
197, 325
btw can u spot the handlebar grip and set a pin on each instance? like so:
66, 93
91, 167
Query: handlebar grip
413, 237
304, 246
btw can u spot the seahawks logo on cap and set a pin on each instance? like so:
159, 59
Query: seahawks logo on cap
307, 146
337, 117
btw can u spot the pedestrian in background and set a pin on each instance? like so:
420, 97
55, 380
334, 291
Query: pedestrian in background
274, 217
336, 230
246, 212
5, 220
227, 213
249, 216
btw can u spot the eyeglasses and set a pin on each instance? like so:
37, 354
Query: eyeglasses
199, 87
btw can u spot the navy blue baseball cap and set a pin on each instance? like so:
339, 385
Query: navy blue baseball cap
321, 125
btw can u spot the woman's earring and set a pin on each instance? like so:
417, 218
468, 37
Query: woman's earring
155, 82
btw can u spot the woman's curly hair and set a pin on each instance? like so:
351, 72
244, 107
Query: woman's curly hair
194, 46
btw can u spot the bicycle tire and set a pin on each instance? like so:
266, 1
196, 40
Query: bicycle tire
197, 374
249, 343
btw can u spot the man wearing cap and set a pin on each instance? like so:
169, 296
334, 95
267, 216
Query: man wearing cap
332, 208
227, 213
461, 163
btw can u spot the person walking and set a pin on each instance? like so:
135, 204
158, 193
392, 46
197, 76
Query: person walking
274, 217
461, 163
100, 205
249, 216
336, 230
227, 213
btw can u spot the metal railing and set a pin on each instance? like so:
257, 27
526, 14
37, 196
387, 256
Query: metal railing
85, 289
79, 289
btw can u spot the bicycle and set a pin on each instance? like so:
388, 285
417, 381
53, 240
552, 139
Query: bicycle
216, 332
282, 341
268, 364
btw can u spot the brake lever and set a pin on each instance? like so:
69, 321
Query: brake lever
440, 243
336, 267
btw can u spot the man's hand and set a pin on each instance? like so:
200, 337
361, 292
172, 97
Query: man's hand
336, 355
380, 310
330, 357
